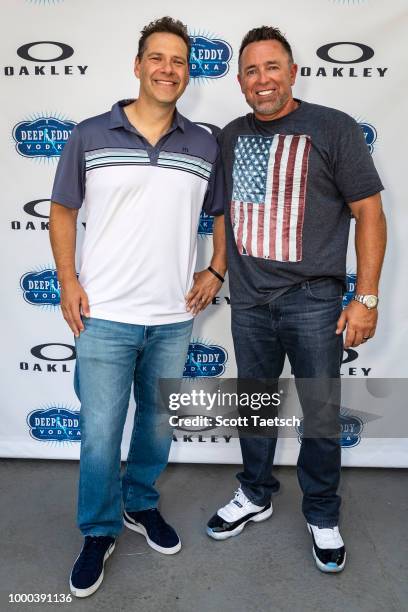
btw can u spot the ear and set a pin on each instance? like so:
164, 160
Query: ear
240, 81
136, 68
293, 73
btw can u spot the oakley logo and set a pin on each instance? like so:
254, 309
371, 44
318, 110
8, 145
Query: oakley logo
30, 208
363, 53
40, 352
65, 51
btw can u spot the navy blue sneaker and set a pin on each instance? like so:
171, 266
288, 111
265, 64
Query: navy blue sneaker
159, 535
87, 573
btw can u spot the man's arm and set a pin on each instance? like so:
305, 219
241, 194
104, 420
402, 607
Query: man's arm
206, 284
370, 242
63, 238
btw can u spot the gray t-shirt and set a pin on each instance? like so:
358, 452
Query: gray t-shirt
288, 182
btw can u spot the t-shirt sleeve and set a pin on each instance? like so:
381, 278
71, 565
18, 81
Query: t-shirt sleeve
354, 171
215, 196
69, 182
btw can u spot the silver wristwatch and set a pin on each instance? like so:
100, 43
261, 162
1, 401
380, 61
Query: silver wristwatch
369, 301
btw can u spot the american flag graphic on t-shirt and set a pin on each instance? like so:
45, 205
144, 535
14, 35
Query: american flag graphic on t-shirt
268, 195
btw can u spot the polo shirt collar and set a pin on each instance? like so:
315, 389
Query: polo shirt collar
118, 118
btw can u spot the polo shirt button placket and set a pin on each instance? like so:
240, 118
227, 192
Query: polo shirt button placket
153, 153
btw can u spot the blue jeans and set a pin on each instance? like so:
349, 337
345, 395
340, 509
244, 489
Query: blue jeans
300, 324
110, 357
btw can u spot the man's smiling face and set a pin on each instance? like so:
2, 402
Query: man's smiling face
163, 68
266, 76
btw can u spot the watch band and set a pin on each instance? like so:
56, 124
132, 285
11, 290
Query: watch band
370, 301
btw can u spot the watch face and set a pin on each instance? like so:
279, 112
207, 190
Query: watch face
371, 301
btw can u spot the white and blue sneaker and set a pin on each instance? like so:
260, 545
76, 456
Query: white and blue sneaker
231, 519
328, 548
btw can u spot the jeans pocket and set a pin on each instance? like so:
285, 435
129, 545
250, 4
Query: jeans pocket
325, 290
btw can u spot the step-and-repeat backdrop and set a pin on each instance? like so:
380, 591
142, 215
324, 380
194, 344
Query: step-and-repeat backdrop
65, 60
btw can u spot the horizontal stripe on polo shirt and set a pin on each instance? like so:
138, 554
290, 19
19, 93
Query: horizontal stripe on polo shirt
117, 157
190, 163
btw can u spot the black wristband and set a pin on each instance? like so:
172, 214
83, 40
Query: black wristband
220, 278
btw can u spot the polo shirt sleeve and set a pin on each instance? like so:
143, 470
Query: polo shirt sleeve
354, 172
214, 200
69, 182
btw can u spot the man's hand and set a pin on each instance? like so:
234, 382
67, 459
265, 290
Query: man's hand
205, 288
74, 301
360, 323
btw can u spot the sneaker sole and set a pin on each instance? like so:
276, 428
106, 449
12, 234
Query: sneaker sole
90, 590
325, 568
140, 529
224, 535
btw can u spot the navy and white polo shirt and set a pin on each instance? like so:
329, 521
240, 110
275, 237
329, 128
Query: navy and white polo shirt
142, 209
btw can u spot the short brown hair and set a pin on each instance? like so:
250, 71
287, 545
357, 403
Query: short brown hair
265, 33
165, 24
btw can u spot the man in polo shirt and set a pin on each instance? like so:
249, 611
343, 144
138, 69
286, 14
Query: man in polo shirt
143, 173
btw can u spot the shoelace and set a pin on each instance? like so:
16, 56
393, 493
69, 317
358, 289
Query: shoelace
239, 497
92, 550
236, 508
328, 537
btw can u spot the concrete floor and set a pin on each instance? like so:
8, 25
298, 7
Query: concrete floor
268, 567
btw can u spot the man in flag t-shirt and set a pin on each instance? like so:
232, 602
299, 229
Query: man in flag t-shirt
295, 173
143, 173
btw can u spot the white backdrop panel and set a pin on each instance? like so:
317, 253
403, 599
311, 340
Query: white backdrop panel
103, 36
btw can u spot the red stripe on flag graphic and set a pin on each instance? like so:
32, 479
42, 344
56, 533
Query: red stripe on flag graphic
249, 228
302, 199
261, 220
274, 199
288, 197
240, 228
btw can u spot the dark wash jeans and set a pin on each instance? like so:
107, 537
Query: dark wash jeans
300, 324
